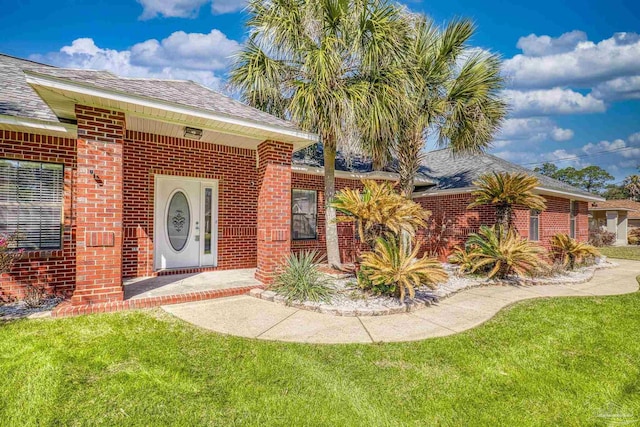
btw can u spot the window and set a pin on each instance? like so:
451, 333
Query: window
304, 214
31, 197
534, 225
573, 214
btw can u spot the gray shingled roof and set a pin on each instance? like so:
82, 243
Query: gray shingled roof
181, 92
17, 98
459, 171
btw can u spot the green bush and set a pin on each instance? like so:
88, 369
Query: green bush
500, 254
390, 267
570, 252
299, 278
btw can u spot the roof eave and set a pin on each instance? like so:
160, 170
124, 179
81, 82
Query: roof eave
298, 138
540, 190
381, 175
25, 124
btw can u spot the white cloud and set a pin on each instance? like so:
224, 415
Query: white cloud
584, 65
619, 146
619, 157
186, 8
551, 101
523, 132
533, 45
187, 56
559, 134
190, 50
618, 89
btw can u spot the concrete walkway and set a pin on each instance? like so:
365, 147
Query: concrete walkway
254, 318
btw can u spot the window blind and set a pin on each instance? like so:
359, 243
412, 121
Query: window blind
31, 200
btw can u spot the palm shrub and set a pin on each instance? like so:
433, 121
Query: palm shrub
461, 257
569, 251
402, 271
299, 278
378, 210
505, 190
502, 253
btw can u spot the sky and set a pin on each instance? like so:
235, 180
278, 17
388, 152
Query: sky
572, 67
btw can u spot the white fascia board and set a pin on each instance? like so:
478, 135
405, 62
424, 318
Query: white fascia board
540, 190
37, 124
568, 195
36, 79
382, 175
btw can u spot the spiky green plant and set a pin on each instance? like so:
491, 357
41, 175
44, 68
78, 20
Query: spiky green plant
570, 251
299, 278
378, 209
461, 257
322, 64
390, 265
503, 253
504, 190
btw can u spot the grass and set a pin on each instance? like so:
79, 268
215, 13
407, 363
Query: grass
557, 361
623, 252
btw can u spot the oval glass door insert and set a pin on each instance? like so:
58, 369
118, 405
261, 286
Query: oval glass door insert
178, 221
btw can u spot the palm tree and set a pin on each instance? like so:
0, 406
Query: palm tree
632, 185
505, 190
451, 90
321, 64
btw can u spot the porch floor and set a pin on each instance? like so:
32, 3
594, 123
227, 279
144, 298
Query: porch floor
179, 284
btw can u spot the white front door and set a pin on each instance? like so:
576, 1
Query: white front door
186, 223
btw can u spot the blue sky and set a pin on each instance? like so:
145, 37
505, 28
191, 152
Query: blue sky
573, 67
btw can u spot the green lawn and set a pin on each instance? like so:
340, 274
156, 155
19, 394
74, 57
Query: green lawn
624, 252
556, 361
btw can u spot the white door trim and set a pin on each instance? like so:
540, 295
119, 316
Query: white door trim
158, 209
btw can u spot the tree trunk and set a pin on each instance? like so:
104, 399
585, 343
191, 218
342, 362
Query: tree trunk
331, 228
503, 216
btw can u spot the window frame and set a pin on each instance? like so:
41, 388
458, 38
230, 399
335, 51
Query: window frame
573, 218
40, 204
534, 214
315, 236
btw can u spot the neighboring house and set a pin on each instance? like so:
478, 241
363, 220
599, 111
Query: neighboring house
109, 178
616, 216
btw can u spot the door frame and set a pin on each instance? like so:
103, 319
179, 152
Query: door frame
160, 210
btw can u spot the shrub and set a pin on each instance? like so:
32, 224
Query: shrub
599, 237
503, 253
634, 236
378, 210
569, 251
389, 265
299, 278
461, 257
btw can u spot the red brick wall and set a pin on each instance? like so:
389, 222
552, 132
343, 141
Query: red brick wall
147, 155
451, 210
274, 207
98, 203
301, 181
54, 270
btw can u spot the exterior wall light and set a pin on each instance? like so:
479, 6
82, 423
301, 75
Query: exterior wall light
192, 133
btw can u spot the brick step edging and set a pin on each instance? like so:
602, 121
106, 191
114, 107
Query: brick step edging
66, 309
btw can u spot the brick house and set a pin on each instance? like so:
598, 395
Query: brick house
109, 178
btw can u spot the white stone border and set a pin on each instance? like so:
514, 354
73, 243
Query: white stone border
417, 303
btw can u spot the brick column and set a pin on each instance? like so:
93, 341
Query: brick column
274, 207
98, 206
